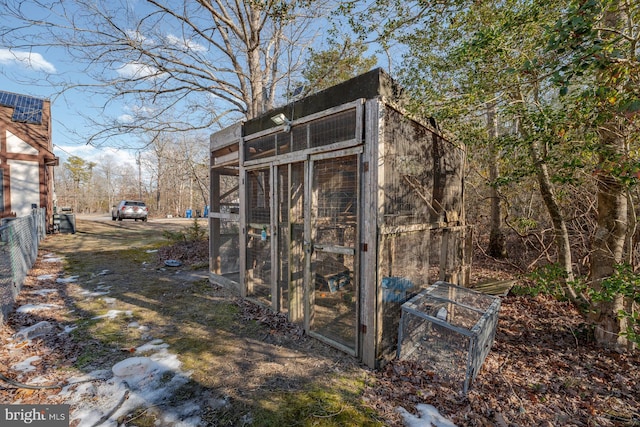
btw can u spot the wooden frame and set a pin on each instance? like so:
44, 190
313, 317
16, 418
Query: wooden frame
374, 138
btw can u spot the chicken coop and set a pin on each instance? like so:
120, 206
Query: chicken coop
336, 209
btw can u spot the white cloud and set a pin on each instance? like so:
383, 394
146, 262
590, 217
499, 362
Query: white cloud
136, 70
131, 112
93, 154
142, 110
31, 60
186, 44
140, 38
125, 118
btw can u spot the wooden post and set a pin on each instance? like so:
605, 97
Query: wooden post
214, 224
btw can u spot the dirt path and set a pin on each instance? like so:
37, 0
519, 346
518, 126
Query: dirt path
244, 364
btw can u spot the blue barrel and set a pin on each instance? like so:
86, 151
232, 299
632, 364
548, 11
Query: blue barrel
188, 213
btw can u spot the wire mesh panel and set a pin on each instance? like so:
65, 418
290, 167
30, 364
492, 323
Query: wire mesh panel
19, 241
260, 147
296, 243
334, 231
335, 128
225, 221
300, 138
448, 180
405, 262
259, 235
267, 146
284, 236
409, 172
449, 329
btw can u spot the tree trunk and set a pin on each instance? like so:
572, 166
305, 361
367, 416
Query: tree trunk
609, 240
496, 247
559, 225
256, 75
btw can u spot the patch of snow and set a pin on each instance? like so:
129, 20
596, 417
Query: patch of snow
46, 277
143, 382
92, 294
26, 365
40, 381
109, 301
82, 381
156, 344
33, 331
70, 279
134, 367
30, 308
137, 382
429, 417
152, 251
112, 314
69, 328
51, 259
219, 403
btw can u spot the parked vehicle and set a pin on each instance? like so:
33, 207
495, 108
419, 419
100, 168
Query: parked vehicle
130, 209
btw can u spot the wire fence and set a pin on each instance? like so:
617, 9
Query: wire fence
19, 241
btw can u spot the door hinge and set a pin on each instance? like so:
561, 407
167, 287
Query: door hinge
365, 166
364, 247
363, 329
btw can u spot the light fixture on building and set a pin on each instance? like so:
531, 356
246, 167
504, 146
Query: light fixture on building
281, 119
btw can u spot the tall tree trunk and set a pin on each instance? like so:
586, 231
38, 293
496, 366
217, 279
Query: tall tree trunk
496, 236
609, 239
632, 225
560, 231
611, 229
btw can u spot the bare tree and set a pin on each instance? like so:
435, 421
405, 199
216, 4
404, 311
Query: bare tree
200, 61
176, 163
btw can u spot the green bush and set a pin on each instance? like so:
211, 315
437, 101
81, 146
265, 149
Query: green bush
549, 280
546, 280
194, 233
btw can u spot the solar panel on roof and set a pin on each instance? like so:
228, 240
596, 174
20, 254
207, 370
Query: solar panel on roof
26, 109
8, 99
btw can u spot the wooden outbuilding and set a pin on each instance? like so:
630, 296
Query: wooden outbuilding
26, 155
337, 208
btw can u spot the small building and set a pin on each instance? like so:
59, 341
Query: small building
337, 208
26, 155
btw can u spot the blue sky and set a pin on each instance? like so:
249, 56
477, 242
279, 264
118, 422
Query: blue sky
40, 68
20, 68
37, 71
30, 65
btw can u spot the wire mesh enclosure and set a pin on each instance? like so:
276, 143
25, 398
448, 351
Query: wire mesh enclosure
449, 329
344, 208
422, 238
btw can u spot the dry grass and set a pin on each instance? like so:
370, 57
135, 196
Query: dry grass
234, 355
250, 367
